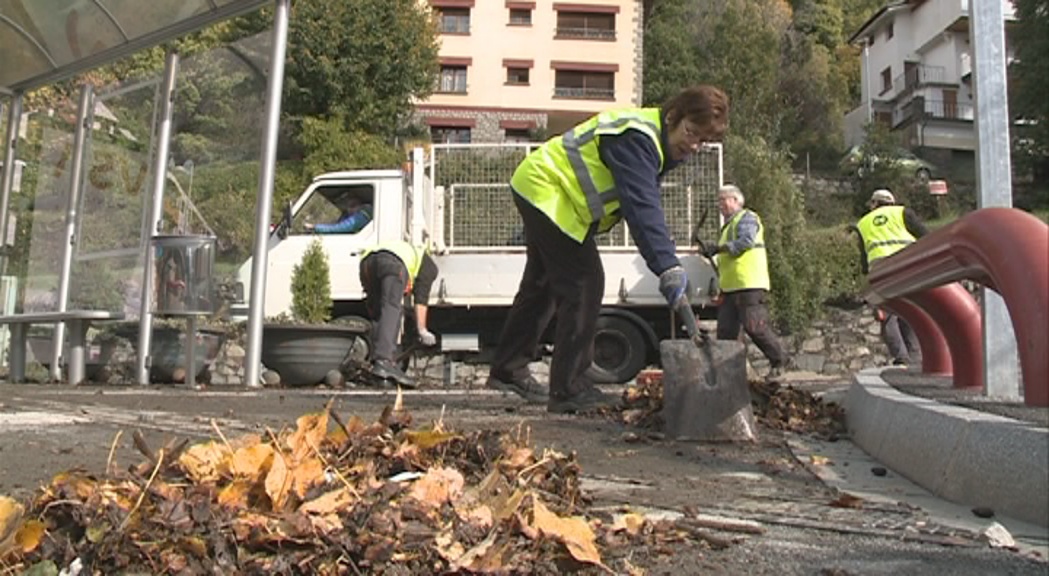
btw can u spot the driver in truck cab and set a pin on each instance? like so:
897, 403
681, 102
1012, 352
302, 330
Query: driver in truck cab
567, 191
354, 217
388, 272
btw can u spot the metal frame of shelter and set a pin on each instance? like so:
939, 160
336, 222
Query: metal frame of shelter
51, 59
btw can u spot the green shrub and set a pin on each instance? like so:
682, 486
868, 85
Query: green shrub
311, 287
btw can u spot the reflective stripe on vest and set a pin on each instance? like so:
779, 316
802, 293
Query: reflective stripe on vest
750, 269
884, 232
566, 179
411, 256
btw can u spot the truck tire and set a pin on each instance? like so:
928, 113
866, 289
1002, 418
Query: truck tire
619, 347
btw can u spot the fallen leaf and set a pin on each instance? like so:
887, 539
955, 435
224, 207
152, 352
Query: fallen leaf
847, 501
205, 462
29, 535
631, 523
235, 495
426, 439
329, 502
437, 486
819, 460
519, 458
251, 462
278, 482
10, 518
573, 531
311, 431
305, 475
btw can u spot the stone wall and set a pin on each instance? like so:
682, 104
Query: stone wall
486, 127
844, 342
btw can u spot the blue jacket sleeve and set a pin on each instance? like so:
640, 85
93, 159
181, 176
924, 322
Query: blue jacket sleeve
634, 162
746, 232
350, 224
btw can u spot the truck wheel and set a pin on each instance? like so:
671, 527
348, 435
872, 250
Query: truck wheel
619, 348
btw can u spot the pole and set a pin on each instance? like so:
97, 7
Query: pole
14, 116
76, 178
152, 225
994, 181
867, 80
264, 203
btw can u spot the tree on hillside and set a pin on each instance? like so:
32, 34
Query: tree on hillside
363, 60
669, 53
1029, 82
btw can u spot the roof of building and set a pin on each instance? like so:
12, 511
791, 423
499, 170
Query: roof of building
45, 41
878, 18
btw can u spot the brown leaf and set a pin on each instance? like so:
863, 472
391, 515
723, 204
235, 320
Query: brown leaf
329, 502
10, 518
437, 486
573, 531
278, 482
205, 462
305, 475
847, 501
311, 431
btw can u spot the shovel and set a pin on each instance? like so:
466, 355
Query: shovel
706, 396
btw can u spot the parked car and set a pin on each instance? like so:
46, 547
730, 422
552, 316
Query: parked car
854, 163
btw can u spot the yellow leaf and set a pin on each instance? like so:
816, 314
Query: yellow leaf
437, 486
819, 460
29, 535
312, 428
306, 475
251, 462
10, 516
426, 439
205, 462
278, 482
631, 523
329, 502
236, 494
573, 531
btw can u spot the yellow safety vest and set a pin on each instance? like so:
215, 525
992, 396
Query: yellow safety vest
750, 269
412, 256
566, 179
884, 232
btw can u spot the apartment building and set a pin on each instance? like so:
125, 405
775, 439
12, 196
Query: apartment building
513, 70
916, 73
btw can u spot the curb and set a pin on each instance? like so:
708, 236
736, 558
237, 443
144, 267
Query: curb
959, 454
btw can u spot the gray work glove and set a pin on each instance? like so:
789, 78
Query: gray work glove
427, 338
673, 283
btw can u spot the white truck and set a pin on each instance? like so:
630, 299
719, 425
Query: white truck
458, 198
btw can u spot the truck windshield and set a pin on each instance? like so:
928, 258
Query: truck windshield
330, 205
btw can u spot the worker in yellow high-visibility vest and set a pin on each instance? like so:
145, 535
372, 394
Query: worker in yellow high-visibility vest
885, 230
743, 277
388, 272
567, 191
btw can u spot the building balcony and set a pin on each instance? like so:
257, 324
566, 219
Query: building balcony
922, 110
918, 76
562, 33
584, 93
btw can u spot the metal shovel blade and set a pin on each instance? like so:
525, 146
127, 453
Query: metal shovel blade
705, 392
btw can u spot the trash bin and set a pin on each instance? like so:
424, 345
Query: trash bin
183, 275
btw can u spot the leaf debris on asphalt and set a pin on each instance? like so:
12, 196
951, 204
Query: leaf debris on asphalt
330, 496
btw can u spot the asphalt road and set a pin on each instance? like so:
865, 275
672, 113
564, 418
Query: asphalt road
48, 429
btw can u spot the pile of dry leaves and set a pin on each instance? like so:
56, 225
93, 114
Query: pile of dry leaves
331, 496
775, 406
787, 408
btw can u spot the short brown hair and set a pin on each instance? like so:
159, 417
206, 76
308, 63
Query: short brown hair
703, 104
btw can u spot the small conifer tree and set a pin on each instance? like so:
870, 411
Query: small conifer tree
311, 287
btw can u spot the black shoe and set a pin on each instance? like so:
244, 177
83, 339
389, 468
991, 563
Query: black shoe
528, 388
387, 370
588, 400
900, 362
599, 375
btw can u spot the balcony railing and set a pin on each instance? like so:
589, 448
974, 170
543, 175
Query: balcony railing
919, 76
585, 33
948, 110
921, 109
585, 93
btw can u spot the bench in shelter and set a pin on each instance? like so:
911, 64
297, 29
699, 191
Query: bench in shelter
77, 321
